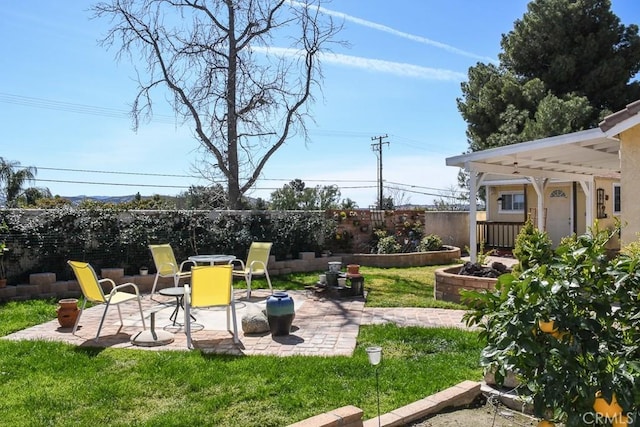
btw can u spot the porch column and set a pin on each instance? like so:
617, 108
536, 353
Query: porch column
589, 197
539, 184
475, 180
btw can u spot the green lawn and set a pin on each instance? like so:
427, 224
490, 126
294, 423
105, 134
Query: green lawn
387, 287
46, 383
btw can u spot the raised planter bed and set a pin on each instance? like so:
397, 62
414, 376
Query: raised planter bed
449, 283
413, 259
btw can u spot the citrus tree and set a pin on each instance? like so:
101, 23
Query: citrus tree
569, 328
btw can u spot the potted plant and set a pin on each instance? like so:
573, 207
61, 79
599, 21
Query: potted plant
144, 270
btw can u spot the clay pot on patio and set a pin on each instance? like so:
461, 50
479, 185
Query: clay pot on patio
67, 312
353, 269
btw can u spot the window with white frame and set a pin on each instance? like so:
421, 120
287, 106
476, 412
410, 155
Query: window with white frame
511, 202
616, 199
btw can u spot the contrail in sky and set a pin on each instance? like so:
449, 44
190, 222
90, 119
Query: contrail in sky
390, 67
395, 32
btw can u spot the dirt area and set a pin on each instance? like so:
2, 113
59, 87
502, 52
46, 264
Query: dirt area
481, 413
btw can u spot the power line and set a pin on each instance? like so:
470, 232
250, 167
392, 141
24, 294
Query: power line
50, 104
165, 175
419, 186
187, 176
116, 172
70, 107
120, 184
424, 193
108, 183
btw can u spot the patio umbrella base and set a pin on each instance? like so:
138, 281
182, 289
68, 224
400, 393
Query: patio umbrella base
151, 338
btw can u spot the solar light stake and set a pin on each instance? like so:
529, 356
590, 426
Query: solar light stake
375, 357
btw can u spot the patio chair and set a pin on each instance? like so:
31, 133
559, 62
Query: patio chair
211, 286
167, 266
256, 264
92, 290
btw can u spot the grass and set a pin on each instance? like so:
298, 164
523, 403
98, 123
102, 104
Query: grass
387, 287
47, 383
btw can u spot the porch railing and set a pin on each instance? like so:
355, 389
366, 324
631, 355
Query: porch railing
497, 234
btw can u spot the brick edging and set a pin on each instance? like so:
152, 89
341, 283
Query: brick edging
459, 395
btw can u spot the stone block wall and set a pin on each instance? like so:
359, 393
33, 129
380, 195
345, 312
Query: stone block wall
45, 285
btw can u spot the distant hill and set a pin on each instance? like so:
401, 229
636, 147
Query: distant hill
106, 199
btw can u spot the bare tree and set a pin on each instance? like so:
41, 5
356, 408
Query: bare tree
243, 96
451, 199
396, 197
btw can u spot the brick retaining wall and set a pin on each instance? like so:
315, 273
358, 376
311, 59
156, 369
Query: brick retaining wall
414, 259
449, 283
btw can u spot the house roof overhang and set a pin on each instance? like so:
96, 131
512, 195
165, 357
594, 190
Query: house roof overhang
577, 156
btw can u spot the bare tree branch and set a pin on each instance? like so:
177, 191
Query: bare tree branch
212, 57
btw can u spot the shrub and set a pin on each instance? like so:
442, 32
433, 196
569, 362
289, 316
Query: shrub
532, 247
593, 345
388, 245
110, 236
432, 242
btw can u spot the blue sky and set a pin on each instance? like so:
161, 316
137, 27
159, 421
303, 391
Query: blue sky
64, 101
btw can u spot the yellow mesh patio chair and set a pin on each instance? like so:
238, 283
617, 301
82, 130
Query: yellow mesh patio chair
211, 286
92, 290
256, 264
167, 266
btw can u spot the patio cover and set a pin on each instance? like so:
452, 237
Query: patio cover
579, 156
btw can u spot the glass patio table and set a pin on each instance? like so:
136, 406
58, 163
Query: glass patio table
212, 259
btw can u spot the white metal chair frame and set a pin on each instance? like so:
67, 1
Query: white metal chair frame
115, 297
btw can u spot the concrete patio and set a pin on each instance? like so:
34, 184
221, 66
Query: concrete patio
322, 326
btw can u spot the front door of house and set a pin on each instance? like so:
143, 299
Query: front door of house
558, 201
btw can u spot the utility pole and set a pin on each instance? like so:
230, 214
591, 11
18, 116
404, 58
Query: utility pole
378, 146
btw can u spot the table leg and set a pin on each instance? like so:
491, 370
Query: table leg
174, 315
179, 303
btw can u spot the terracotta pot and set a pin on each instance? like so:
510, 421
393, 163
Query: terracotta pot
67, 312
353, 268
